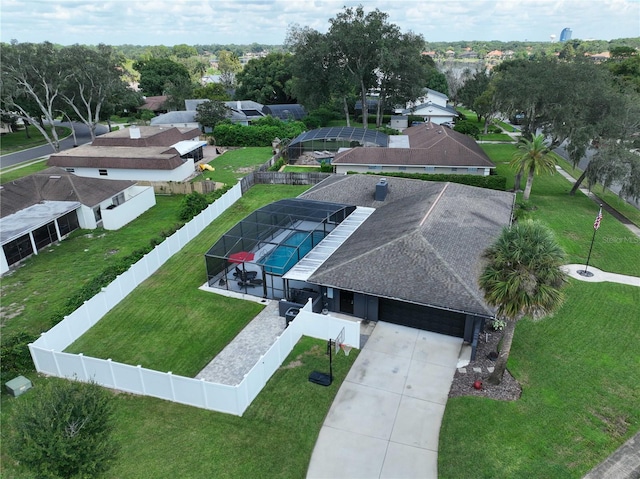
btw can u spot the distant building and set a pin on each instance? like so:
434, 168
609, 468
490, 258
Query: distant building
565, 35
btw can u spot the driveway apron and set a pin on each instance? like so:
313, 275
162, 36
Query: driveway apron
385, 419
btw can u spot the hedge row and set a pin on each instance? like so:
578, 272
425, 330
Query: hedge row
255, 135
492, 182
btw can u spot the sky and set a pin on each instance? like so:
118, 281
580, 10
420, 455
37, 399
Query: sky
205, 22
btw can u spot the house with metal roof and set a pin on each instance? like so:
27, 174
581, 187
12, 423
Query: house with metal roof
144, 153
44, 207
427, 148
396, 250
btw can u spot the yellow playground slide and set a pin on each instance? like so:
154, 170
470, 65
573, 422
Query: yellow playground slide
204, 166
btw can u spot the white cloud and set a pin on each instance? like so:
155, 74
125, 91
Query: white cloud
154, 22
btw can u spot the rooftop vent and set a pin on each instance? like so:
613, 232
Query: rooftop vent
382, 188
54, 177
134, 133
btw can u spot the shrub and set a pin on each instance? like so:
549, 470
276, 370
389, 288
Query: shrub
192, 204
261, 133
15, 358
63, 429
467, 128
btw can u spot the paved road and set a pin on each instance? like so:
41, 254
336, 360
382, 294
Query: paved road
82, 135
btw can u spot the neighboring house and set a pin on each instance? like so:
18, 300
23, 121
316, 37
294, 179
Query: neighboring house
179, 119
45, 207
154, 103
432, 112
331, 139
146, 153
427, 148
397, 250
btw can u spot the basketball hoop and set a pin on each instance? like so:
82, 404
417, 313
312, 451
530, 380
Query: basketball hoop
346, 348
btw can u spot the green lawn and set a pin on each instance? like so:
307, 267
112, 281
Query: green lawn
571, 217
274, 438
579, 380
18, 141
580, 394
41, 286
234, 164
14, 172
301, 169
184, 333
496, 137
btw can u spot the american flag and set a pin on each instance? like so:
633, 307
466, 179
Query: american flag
596, 223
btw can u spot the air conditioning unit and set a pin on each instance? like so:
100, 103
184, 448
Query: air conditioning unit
18, 386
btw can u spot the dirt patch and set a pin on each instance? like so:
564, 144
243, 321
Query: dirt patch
297, 362
508, 390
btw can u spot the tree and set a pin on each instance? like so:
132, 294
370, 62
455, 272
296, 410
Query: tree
534, 157
94, 79
316, 82
356, 41
157, 73
184, 51
178, 91
522, 276
212, 91
63, 429
210, 113
229, 66
473, 88
614, 162
31, 82
266, 80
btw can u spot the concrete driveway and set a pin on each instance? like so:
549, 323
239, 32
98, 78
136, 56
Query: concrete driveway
385, 419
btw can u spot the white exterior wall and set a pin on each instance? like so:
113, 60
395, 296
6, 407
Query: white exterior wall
86, 218
342, 169
138, 199
178, 174
4, 266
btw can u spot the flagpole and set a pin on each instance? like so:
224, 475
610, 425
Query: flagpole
596, 225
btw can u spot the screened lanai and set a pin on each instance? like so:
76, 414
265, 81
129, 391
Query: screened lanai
333, 138
253, 256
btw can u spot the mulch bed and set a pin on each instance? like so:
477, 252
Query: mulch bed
508, 390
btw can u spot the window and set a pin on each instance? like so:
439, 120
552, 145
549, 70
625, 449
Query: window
68, 223
472, 170
118, 199
430, 168
402, 168
45, 235
453, 170
374, 167
103, 172
18, 249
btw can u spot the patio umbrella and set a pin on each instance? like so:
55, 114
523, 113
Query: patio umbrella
241, 257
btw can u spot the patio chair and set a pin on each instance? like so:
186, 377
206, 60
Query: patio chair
244, 275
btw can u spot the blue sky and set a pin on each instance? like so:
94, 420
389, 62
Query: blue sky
170, 22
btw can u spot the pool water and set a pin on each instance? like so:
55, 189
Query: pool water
284, 257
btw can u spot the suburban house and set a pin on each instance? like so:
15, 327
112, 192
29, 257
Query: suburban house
397, 250
154, 103
145, 153
240, 112
44, 207
432, 106
426, 148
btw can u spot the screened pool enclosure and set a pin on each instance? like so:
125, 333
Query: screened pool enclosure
253, 256
334, 138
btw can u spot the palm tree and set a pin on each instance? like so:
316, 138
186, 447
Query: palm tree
522, 277
534, 156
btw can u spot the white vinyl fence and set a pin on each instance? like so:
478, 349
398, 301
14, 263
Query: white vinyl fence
49, 359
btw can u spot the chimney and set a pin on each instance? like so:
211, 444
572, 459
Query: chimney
382, 188
239, 105
134, 132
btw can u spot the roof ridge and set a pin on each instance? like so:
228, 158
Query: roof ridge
475, 153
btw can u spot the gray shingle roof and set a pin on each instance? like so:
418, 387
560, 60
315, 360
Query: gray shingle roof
56, 184
423, 244
429, 145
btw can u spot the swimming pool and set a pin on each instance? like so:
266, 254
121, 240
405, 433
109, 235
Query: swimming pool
284, 257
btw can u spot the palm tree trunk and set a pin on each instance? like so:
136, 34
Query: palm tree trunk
495, 377
527, 188
517, 181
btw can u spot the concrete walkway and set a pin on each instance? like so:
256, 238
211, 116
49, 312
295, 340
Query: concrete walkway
622, 464
599, 275
385, 419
